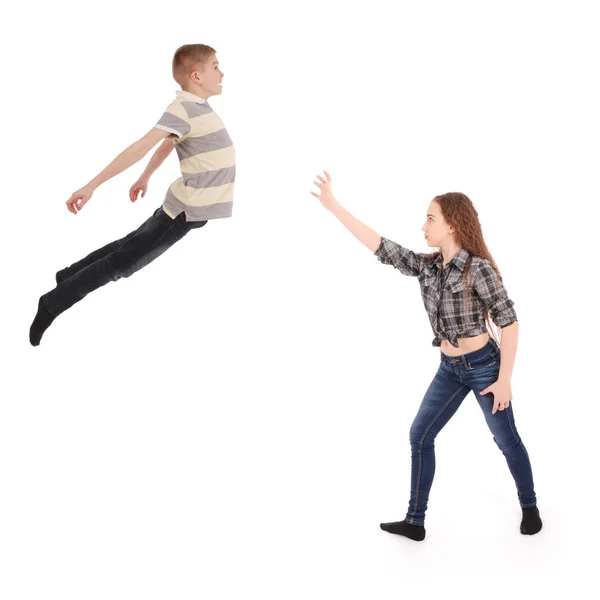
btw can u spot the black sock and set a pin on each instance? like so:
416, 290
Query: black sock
43, 320
414, 532
531, 522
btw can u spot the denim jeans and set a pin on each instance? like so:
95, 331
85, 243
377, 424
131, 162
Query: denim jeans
455, 378
120, 258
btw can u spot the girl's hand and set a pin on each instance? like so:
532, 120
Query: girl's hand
327, 198
502, 394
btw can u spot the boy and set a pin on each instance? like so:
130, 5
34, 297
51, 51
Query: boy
204, 192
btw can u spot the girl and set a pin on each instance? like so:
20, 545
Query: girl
461, 288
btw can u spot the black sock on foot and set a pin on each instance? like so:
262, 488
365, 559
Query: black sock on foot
43, 320
531, 522
414, 532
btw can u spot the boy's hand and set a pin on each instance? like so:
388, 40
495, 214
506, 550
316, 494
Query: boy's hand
327, 199
79, 199
141, 185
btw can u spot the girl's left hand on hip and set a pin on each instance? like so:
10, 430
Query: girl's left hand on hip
502, 394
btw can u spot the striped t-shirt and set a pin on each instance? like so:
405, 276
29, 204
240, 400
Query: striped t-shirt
206, 157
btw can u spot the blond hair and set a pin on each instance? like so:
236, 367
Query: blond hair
187, 58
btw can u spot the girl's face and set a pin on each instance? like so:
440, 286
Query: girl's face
436, 230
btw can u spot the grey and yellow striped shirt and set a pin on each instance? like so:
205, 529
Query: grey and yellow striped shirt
206, 157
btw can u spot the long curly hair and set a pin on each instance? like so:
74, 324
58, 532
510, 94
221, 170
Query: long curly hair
459, 212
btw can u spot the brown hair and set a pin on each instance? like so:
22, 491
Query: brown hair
459, 212
187, 58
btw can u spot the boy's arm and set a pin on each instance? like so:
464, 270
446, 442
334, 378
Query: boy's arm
128, 157
157, 159
141, 185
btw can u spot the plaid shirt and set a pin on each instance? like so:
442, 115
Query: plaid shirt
442, 291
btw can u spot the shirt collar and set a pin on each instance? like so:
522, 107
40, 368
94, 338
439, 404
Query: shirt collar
190, 96
460, 259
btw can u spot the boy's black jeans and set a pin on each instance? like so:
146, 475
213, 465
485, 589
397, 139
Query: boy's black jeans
120, 258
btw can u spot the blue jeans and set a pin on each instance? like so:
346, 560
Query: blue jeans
120, 258
455, 378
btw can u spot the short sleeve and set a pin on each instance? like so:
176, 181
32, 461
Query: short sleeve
174, 120
406, 261
490, 289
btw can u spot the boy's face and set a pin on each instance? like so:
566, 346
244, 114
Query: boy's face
209, 77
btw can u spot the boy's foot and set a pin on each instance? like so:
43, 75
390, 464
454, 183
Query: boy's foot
414, 532
43, 320
531, 522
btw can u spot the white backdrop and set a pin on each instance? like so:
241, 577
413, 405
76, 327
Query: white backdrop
250, 445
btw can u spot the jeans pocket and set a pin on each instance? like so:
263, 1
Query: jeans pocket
487, 362
159, 213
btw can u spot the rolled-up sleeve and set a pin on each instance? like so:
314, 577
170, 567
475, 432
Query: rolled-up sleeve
490, 289
406, 261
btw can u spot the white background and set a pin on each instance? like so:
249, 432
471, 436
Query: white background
232, 421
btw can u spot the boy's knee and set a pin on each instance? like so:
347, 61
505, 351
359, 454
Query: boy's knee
131, 267
123, 266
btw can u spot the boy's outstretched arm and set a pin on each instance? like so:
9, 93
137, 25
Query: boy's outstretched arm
128, 157
141, 185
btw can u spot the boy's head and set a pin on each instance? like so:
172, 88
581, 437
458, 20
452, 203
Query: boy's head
196, 70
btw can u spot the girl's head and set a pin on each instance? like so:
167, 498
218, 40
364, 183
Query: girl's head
453, 220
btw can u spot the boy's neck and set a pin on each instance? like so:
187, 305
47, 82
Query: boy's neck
200, 93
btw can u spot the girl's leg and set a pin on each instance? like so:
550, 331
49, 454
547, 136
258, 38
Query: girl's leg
503, 428
480, 373
441, 401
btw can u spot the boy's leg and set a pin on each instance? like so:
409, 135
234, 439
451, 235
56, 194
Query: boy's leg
157, 235
101, 252
196, 224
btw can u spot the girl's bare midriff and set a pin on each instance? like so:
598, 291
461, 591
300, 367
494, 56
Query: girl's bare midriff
466, 345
